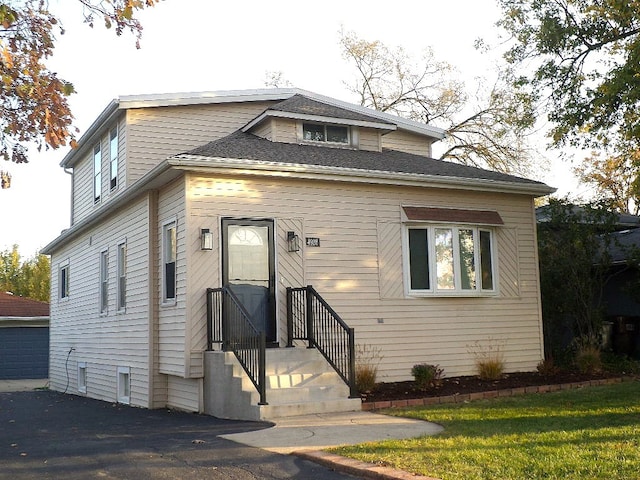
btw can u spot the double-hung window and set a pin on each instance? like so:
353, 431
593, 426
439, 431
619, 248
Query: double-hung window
104, 281
63, 281
113, 153
450, 259
97, 173
169, 248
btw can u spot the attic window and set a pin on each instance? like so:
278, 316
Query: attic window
314, 132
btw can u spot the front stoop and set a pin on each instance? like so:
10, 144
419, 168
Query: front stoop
299, 382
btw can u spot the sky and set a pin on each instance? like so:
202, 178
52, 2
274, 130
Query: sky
208, 45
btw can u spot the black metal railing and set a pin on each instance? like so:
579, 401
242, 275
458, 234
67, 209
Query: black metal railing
229, 324
311, 318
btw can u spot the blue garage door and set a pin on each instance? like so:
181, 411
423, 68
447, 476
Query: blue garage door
24, 352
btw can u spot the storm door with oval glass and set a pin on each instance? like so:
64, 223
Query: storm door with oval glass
248, 269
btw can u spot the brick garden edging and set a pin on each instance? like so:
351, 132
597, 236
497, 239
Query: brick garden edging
508, 392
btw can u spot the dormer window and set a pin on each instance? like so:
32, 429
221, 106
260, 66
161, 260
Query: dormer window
315, 132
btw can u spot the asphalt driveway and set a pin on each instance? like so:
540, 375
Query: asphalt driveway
46, 434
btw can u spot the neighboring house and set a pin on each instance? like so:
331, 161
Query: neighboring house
622, 304
24, 338
248, 193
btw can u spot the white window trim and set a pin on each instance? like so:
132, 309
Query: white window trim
62, 266
169, 301
82, 377
121, 246
123, 374
457, 291
104, 282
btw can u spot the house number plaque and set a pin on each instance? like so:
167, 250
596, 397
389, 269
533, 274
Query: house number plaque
312, 242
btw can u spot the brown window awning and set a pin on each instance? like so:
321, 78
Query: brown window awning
453, 215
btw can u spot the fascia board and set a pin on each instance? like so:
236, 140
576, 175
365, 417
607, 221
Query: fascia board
319, 172
40, 321
200, 98
318, 118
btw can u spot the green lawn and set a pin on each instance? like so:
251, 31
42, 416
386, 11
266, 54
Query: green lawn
590, 433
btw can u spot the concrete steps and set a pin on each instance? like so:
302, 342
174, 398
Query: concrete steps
299, 382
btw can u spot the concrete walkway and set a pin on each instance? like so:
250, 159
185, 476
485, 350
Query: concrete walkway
326, 430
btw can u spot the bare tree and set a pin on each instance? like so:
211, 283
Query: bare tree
487, 129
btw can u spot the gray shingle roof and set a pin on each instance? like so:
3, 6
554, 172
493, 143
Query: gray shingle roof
304, 105
241, 145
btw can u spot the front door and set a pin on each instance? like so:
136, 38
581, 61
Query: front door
248, 269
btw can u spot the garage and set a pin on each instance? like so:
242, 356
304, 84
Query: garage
24, 338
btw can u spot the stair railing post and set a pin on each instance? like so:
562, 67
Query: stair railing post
353, 389
225, 312
209, 319
309, 316
262, 368
289, 317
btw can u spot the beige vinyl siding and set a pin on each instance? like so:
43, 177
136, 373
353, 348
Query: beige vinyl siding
356, 223
104, 341
204, 272
153, 134
290, 267
184, 393
285, 131
407, 142
369, 139
82, 195
265, 129
171, 316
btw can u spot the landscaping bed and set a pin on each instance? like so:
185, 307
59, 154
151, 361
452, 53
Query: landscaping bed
452, 386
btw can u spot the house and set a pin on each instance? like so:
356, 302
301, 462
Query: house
24, 338
620, 298
199, 220
617, 235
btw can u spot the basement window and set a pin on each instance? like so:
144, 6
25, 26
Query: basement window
82, 377
124, 385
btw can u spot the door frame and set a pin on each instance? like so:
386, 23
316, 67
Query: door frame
270, 223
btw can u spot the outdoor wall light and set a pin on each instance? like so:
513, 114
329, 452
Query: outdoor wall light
206, 239
293, 242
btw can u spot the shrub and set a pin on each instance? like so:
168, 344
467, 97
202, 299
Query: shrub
368, 358
588, 359
489, 358
620, 364
548, 368
427, 375
491, 369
